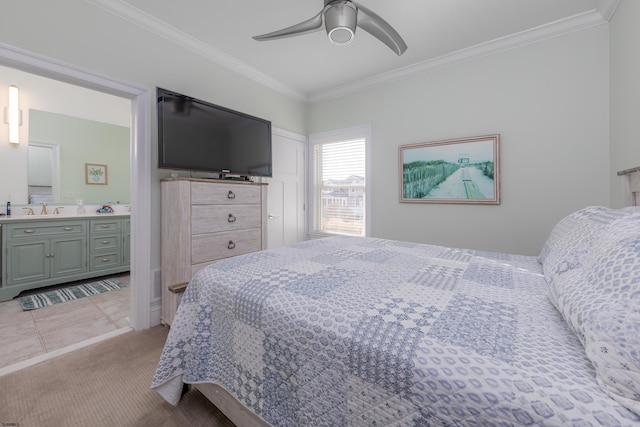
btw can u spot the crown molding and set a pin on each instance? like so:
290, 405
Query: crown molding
607, 8
601, 15
148, 22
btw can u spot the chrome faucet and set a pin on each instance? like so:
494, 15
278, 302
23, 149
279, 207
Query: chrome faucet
44, 208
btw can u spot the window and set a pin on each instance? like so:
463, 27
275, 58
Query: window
338, 193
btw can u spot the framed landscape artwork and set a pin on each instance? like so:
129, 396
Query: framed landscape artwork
465, 170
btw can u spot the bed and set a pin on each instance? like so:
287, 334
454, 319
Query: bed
374, 332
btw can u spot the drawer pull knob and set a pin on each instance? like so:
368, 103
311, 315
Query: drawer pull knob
231, 218
231, 195
105, 226
231, 245
29, 230
106, 259
105, 242
68, 228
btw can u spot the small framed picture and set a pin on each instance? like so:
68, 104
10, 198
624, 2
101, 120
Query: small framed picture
95, 174
465, 170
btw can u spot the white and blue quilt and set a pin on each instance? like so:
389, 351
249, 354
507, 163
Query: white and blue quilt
347, 331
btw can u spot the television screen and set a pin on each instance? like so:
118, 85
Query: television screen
200, 136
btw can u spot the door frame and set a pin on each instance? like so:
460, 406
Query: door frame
140, 161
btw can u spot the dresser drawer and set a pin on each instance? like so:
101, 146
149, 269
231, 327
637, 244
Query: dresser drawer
214, 218
203, 193
213, 246
65, 228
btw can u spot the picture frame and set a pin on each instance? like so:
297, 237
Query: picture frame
95, 174
463, 170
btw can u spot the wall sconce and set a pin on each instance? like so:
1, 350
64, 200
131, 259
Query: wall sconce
13, 115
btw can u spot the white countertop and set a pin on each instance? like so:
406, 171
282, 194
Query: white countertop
60, 216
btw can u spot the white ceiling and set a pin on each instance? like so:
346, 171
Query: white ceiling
309, 67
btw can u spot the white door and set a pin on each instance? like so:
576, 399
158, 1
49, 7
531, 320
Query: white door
285, 193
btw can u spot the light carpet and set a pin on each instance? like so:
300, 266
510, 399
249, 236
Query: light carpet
105, 384
57, 296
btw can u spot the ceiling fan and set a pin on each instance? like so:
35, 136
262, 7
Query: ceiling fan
340, 18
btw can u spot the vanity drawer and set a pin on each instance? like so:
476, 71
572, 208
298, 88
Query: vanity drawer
203, 193
104, 261
105, 243
213, 218
212, 246
65, 228
105, 225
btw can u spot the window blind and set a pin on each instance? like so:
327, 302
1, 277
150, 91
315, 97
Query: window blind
338, 187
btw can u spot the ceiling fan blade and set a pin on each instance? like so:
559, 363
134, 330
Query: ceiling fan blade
373, 24
308, 26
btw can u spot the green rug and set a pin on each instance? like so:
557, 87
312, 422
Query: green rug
43, 299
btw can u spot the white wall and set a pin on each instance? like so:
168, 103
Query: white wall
625, 93
41, 93
549, 101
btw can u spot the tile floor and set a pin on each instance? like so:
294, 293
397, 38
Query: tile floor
28, 334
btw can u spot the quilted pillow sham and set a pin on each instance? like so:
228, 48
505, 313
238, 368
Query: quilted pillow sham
572, 238
613, 335
601, 303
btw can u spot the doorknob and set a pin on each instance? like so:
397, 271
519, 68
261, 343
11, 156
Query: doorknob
272, 216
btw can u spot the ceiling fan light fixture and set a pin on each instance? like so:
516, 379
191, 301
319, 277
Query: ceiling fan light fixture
341, 19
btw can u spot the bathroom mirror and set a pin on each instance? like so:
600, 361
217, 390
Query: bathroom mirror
59, 148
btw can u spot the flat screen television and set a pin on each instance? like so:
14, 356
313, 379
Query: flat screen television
196, 135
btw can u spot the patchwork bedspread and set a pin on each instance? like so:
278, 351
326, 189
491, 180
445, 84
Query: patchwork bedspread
373, 332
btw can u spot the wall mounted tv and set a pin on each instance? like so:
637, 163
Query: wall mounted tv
199, 136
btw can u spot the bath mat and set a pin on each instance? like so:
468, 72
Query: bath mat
44, 299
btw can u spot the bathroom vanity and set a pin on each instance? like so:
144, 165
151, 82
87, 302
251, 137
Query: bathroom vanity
44, 250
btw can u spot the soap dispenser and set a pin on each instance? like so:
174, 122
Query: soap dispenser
80, 210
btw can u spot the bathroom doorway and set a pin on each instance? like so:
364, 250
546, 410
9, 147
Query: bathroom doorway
140, 100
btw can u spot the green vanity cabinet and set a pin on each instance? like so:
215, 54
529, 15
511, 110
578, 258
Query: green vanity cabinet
43, 252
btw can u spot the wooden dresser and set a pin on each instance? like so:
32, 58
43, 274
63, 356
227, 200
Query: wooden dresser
204, 221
